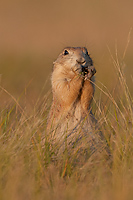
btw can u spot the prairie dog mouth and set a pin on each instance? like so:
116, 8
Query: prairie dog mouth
88, 72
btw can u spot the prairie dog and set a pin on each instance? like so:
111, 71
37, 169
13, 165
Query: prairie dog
73, 90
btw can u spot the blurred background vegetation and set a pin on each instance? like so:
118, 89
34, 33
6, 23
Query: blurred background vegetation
33, 33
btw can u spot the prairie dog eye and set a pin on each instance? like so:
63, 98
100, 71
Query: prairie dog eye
66, 52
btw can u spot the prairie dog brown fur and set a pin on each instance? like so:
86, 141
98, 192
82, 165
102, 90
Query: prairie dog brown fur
73, 90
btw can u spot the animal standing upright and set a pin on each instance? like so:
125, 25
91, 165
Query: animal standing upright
72, 80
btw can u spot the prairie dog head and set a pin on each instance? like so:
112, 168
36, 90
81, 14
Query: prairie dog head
75, 60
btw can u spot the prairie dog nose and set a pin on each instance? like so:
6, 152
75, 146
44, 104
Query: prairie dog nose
81, 61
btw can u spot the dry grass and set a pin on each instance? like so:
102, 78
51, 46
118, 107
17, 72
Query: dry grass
29, 169
32, 34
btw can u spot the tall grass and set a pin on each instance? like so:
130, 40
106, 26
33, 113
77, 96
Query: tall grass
29, 168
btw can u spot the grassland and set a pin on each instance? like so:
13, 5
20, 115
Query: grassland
32, 34
29, 168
